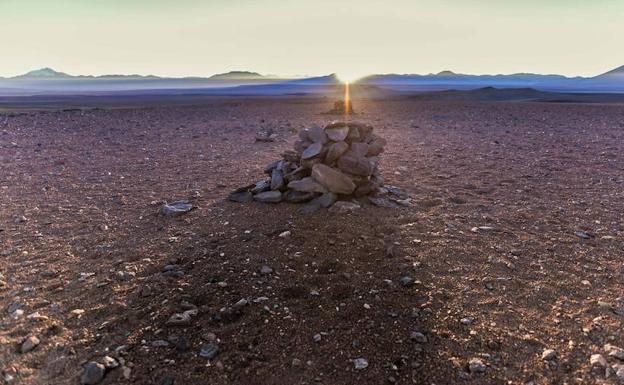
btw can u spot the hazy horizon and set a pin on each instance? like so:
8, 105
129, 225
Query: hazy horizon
276, 37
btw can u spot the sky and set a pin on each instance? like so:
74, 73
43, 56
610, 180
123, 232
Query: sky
316, 37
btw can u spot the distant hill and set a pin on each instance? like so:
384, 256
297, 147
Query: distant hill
44, 73
616, 72
237, 75
491, 94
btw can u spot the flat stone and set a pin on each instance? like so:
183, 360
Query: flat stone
93, 373
310, 207
268, 197
313, 150
277, 180
307, 184
262, 186
209, 351
335, 151
175, 208
332, 179
293, 196
337, 134
240, 197
317, 134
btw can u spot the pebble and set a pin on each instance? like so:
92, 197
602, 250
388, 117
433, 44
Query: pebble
476, 366
29, 344
160, 344
285, 234
418, 337
360, 363
614, 351
406, 281
93, 373
209, 351
109, 362
317, 337
266, 270
549, 354
598, 360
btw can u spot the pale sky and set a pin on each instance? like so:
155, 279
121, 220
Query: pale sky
316, 37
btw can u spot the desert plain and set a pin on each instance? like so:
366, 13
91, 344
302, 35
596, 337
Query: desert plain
506, 268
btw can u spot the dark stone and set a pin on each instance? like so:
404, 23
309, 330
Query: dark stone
268, 197
241, 197
209, 351
293, 196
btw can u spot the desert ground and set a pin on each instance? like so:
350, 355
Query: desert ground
505, 269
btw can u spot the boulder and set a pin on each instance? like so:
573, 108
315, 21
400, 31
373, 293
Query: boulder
294, 196
261, 186
359, 149
277, 180
332, 179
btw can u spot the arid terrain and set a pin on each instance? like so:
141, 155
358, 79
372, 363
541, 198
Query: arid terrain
512, 247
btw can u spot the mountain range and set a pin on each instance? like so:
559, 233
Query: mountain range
49, 81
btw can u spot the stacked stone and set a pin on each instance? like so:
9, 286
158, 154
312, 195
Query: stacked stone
339, 161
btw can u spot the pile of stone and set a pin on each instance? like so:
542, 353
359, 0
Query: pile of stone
341, 108
337, 163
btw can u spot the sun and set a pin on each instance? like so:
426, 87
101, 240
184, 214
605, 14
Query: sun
349, 77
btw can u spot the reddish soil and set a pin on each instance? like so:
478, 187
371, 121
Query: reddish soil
90, 184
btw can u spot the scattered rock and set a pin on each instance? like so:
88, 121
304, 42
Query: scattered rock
175, 208
93, 373
209, 351
29, 344
360, 363
476, 366
549, 355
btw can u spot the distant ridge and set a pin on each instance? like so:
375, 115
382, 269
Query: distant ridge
619, 72
237, 75
43, 73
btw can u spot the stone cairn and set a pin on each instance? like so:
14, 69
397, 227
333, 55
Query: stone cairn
336, 163
341, 108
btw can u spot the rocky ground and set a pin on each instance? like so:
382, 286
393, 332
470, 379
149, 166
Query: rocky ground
506, 269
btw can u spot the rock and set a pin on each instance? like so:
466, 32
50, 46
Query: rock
277, 180
406, 281
240, 197
285, 234
240, 304
337, 134
344, 206
333, 180
266, 270
383, 202
598, 360
475, 365
182, 319
126, 372
353, 135
549, 354
317, 134
160, 344
175, 208
293, 196
418, 337
335, 151
317, 337
310, 207
356, 165
619, 371
583, 234
307, 184
125, 275
268, 197
29, 344
209, 351
376, 147
93, 373
326, 200
109, 362
614, 351
359, 149
360, 363
312, 150
262, 186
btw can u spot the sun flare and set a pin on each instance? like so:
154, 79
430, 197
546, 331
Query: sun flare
349, 77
